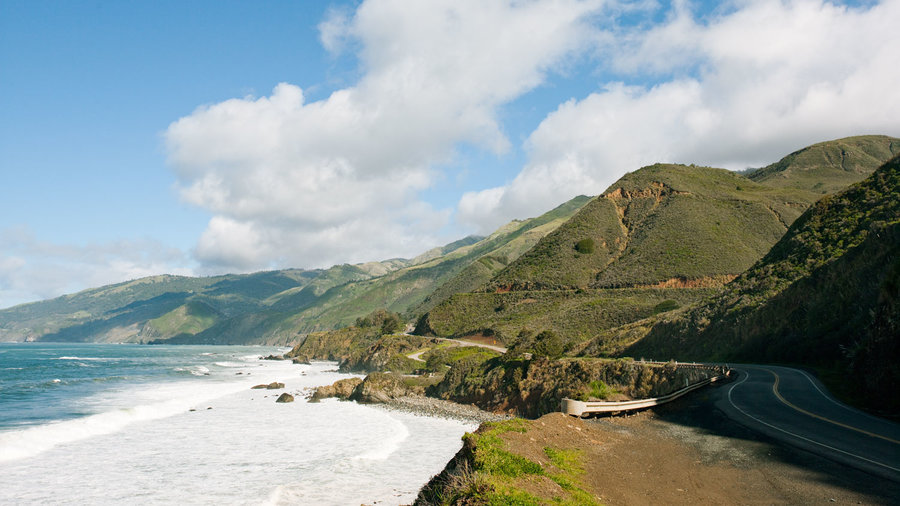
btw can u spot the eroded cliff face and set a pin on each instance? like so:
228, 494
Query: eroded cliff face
532, 388
359, 350
377, 387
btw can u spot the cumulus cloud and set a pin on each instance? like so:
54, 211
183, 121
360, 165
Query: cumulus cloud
33, 269
292, 182
737, 89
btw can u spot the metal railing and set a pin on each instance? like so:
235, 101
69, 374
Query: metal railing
580, 408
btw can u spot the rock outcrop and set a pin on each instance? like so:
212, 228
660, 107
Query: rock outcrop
285, 397
382, 387
375, 388
531, 388
271, 386
342, 389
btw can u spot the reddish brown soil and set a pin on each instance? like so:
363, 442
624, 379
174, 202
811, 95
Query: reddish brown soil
704, 282
483, 339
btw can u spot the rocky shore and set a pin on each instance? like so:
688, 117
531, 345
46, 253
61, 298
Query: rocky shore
429, 406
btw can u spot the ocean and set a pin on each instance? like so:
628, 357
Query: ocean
132, 424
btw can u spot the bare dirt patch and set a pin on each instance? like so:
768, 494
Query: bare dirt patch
483, 339
645, 459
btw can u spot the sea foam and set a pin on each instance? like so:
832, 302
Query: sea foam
246, 450
28, 442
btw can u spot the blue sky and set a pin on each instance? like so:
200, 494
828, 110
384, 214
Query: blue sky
140, 138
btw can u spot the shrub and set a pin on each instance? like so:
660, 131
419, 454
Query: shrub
666, 305
387, 321
548, 344
585, 246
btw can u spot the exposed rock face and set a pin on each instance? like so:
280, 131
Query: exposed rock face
382, 387
301, 359
386, 353
285, 397
274, 357
258, 387
342, 389
532, 388
376, 387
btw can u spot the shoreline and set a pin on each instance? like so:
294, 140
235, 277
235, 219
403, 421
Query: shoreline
439, 408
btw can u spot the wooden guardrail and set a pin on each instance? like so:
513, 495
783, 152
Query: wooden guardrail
581, 408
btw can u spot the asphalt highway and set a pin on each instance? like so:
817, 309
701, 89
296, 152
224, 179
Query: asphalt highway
791, 406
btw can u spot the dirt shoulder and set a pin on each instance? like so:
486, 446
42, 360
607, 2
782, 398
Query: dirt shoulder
647, 458
682, 454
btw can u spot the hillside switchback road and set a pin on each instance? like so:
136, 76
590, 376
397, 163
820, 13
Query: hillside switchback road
791, 406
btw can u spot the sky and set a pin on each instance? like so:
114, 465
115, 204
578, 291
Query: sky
204, 137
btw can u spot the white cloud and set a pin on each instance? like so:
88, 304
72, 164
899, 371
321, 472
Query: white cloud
740, 89
302, 183
33, 269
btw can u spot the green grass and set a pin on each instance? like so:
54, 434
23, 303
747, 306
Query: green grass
498, 472
660, 222
828, 167
598, 390
576, 315
190, 318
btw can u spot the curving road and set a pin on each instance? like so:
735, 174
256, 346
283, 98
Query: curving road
456, 342
793, 407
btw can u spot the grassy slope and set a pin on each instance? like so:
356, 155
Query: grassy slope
830, 166
674, 224
80, 309
321, 305
174, 305
575, 315
189, 318
658, 223
510, 242
826, 295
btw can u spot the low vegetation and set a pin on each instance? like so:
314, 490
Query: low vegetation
491, 470
573, 315
828, 167
531, 387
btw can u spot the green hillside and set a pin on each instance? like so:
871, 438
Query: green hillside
508, 243
189, 318
576, 315
160, 307
50, 317
274, 307
659, 223
830, 166
826, 295
409, 291
660, 228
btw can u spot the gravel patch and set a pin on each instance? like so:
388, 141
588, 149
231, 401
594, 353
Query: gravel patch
429, 406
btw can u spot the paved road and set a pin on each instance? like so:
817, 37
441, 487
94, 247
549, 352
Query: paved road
461, 342
793, 407
457, 342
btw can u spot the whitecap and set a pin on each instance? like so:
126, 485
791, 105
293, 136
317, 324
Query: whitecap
195, 370
180, 398
231, 364
86, 358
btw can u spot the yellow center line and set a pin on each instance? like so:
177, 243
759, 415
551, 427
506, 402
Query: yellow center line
805, 412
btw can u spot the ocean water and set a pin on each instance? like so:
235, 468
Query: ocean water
131, 424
